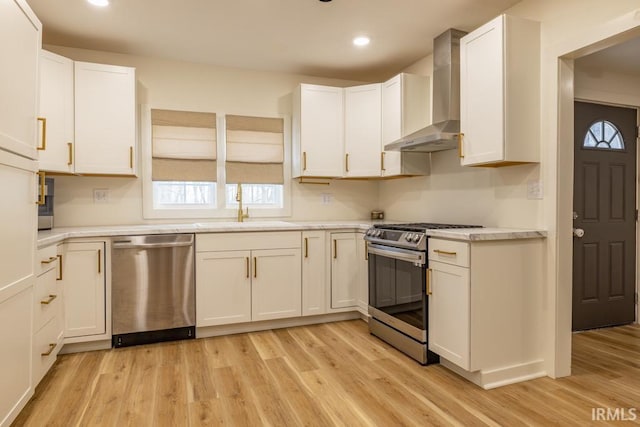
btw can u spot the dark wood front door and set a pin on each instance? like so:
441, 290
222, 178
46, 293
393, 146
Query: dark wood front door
604, 204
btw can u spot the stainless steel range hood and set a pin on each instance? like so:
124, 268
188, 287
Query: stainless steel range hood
443, 133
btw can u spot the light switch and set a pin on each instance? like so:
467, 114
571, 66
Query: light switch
534, 190
327, 198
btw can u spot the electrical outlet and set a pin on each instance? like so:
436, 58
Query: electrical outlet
326, 198
100, 195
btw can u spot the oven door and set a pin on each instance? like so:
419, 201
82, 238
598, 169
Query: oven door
397, 285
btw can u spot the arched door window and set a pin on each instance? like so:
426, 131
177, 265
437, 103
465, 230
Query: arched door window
604, 135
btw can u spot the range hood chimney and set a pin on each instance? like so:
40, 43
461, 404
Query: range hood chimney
443, 133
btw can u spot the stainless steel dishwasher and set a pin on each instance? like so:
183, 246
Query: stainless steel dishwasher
152, 288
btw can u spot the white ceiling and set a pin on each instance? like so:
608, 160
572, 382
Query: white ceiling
296, 36
622, 58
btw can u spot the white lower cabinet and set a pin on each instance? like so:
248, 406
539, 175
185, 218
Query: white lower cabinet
48, 315
84, 287
314, 279
449, 327
345, 270
363, 274
242, 277
223, 288
485, 308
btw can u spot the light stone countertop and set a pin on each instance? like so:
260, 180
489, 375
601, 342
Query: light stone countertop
57, 235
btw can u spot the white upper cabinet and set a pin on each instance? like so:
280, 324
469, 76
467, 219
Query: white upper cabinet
406, 108
499, 93
20, 41
56, 106
318, 131
363, 133
105, 119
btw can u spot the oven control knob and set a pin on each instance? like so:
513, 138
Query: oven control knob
379, 233
416, 238
369, 232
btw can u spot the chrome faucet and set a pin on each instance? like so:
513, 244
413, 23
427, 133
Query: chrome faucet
241, 215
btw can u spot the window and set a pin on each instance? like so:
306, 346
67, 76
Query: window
605, 135
183, 168
255, 157
192, 164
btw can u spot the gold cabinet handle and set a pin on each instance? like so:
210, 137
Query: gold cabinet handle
40, 201
247, 264
59, 267
382, 161
304, 160
335, 249
429, 281
131, 157
99, 261
49, 300
346, 161
51, 348
255, 266
441, 252
44, 133
306, 247
70, 147
460, 148
50, 260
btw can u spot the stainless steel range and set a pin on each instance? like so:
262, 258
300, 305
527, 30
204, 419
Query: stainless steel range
398, 302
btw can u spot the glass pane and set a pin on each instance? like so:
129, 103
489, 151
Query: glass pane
603, 134
256, 195
183, 194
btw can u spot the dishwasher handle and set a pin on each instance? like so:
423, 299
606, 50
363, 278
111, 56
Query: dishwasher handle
126, 244
153, 241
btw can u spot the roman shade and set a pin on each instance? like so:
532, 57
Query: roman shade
183, 146
255, 150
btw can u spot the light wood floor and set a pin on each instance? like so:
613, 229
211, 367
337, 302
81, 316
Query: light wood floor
321, 375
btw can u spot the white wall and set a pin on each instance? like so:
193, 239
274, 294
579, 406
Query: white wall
199, 87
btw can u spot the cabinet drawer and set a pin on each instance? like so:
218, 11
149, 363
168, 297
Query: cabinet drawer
47, 343
244, 241
47, 298
449, 252
46, 259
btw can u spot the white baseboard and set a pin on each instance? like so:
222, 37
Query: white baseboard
493, 378
238, 328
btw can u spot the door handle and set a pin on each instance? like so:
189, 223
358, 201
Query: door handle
578, 232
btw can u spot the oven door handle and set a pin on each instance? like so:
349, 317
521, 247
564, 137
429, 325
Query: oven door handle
397, 253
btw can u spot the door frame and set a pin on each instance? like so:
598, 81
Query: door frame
559, 209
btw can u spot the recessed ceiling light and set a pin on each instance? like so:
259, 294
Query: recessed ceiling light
361, 41
100, 3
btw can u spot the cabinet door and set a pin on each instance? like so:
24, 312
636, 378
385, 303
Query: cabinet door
314, 281
20, 41
321, 130
83, 282
56, 106
363, 116
223, 288
449, 312
344, 270
105, 119
276, 283
482, 94
391, 124
15, 351
363, 274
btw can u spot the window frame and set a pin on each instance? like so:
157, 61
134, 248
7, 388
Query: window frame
221, 211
